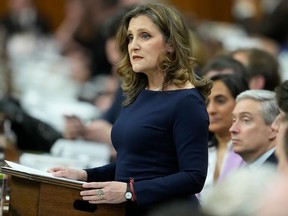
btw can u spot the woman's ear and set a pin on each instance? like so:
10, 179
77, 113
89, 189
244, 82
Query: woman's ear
170, 49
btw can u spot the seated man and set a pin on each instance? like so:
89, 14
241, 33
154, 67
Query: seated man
263, 69
253, 138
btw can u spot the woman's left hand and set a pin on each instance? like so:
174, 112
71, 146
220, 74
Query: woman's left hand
104, 192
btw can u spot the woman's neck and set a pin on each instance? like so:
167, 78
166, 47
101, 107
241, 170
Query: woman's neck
223, 139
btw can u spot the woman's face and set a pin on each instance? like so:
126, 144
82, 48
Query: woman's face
220, 106
112, 51
146, 45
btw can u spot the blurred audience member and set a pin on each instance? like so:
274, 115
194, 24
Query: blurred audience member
82, 27
282, 96
239, 194
280, 124
282, 145
99, 130
221, 101
102, 11
23, 17
99, 91
223, 64
77, 28
274, 199
263, 70
273, 202
253, 137
264, 18
79, 62
199, 49
282, 101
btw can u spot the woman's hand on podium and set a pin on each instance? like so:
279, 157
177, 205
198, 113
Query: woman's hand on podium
104, 192
112, 192
68, 173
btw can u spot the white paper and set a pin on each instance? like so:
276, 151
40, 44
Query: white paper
29, 170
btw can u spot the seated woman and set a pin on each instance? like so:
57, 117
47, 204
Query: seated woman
221, 101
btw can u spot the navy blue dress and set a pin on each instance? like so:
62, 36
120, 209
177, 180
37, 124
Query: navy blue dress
161, 141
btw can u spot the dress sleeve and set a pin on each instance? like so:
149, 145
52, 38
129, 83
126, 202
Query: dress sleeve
104, 173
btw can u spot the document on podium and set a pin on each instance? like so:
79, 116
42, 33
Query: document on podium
37, 175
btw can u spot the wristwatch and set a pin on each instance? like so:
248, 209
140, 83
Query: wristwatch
128, 194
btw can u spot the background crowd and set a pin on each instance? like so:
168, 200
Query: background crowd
61, 83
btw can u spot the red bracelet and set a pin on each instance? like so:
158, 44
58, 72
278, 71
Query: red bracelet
132, 189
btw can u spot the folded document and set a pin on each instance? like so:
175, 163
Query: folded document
35, 174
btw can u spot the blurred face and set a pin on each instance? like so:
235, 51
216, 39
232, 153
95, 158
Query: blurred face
146, 45
280, 149
112, 51
277, 122
251, 137
220, 105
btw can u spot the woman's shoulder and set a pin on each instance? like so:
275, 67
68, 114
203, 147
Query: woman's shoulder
175, 87
189, 94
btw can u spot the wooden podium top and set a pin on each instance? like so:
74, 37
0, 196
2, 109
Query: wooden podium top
15, 169
37, 193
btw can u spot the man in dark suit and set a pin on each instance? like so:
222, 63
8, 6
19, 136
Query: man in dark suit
253, 138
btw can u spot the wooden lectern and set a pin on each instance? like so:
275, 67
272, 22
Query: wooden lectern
42, 196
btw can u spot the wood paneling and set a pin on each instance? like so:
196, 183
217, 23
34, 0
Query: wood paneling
219, 10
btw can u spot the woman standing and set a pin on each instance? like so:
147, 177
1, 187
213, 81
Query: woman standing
161, 134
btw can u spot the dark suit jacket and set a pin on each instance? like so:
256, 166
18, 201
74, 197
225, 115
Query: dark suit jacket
272, 159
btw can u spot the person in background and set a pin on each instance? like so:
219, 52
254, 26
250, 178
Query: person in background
274, 199
98, 130
280, 124
252, 134
221, 101
23, 17
262, 67
240, 193
263, 18
223, 64
282, 145
161, 134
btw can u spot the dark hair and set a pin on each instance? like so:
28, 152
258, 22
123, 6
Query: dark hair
224, 62
261, 62
282, 96
236, 83
179, 208
111, 25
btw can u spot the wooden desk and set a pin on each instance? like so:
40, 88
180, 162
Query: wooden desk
48, 197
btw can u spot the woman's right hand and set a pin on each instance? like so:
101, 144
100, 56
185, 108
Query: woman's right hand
80, 175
